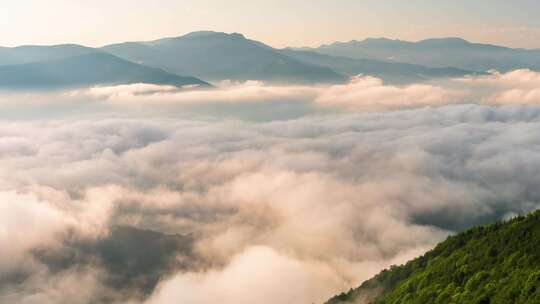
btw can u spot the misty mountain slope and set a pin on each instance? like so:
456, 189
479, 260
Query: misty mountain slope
442, 52
499, 263
36, 53
86, 70
218, 56
390, 72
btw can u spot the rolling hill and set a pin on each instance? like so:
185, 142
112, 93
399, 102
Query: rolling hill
498, 263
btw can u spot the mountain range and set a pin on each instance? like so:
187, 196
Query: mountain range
440, 52
498, 263
390, 72
219, 56
201, 58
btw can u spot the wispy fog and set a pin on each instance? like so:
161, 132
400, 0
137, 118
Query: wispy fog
298, 193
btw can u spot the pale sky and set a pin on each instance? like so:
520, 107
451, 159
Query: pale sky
279, 23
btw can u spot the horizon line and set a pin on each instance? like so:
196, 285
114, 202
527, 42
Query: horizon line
262, 41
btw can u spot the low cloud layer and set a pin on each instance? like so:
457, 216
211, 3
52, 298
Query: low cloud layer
309, 206
252, 193
256, 101
361, 94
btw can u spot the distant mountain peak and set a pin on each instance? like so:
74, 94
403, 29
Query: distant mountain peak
217, 56
444, 41
438, 53
200, 34
382, 41
237, 35
379, 40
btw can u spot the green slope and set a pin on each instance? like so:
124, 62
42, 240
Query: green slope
499, 263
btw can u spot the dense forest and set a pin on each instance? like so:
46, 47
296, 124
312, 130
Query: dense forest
498, 263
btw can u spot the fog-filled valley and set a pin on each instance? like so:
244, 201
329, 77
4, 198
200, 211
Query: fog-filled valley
247, 174
320, 200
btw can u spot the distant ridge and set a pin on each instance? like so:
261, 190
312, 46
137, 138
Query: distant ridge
444, 41
437, 53
390, 72
36, 53
97, 68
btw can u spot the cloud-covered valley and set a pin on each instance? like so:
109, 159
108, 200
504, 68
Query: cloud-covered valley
299, 193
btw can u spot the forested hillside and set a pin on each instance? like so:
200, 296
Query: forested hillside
499, 263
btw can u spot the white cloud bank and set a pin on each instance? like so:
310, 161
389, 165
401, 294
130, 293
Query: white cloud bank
283, 211
257, 100
362, 93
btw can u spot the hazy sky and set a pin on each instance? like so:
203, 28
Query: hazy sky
277, 22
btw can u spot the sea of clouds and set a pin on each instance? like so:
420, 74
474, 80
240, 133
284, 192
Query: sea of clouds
283, 194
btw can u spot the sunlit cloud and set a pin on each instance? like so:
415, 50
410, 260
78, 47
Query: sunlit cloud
256, 100
309, 198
